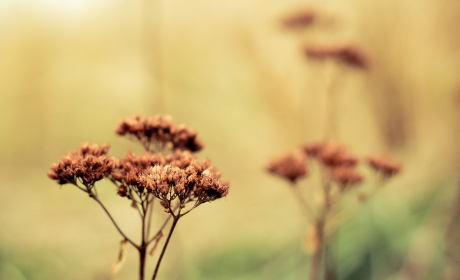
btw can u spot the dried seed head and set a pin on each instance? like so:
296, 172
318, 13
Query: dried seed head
159, 131
313, 149
291, 166
299, 19
185, 177
89, 164
335, 155
348, 55
346, 176
122, 191
385, 165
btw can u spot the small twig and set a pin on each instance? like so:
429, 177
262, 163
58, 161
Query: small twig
306, 207
197, 203
173, 226
75, 184
150, 204
113, 221
163, 226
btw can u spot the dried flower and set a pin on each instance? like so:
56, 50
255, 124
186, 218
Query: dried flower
187, 183
335, 155
313, 149
122, 191
89, 164
352, 56
348, 55
299, 19
346, 176
387, 166
175, 179
159, 131
291, 166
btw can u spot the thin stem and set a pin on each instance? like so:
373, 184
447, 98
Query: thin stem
142, 255
149, 215
75, 184
113, 221
163, 226
176, 219
306, 208
317, 254
143, 247
197, 203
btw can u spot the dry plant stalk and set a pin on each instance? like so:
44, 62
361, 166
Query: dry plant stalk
338, 172
167, 173
337, 163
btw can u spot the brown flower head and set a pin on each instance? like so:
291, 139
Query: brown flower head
346, 176
385, 165
299, 19
336, 155
157, 132
313, 149
291, 166
122, 191
89, 164
188, 181
128, 169
348, 55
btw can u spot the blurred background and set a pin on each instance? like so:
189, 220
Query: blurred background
70, 70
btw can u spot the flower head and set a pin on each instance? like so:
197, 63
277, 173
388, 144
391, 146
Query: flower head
348, 55
159, 131
291, 166
187, 182
346, 176
89, 164
385, 165
299, 19
334, 155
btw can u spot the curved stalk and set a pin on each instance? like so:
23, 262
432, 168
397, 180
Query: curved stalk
165, 246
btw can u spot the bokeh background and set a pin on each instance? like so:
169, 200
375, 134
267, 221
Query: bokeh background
70, 70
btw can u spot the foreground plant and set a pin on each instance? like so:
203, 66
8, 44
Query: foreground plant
338, 174
167, 173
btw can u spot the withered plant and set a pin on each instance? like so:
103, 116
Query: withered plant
338, 174
335, 164
167, 173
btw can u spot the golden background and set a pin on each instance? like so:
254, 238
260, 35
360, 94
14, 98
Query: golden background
70, 70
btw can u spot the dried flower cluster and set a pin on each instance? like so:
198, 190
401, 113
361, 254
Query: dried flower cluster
348, 55
180, 175
291, 166
385, 165
299, 19
338, 174
339, 162
159, 131
89, 165
175, 178
193, 183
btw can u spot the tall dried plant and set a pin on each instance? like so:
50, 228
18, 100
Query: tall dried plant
167, 173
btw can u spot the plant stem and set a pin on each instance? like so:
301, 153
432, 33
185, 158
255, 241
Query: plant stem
330, 273
317, 255
142, 255
176, 219
143, 247
113, 221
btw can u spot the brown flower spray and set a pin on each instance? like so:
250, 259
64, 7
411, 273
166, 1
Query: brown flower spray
172, 180
338, 169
